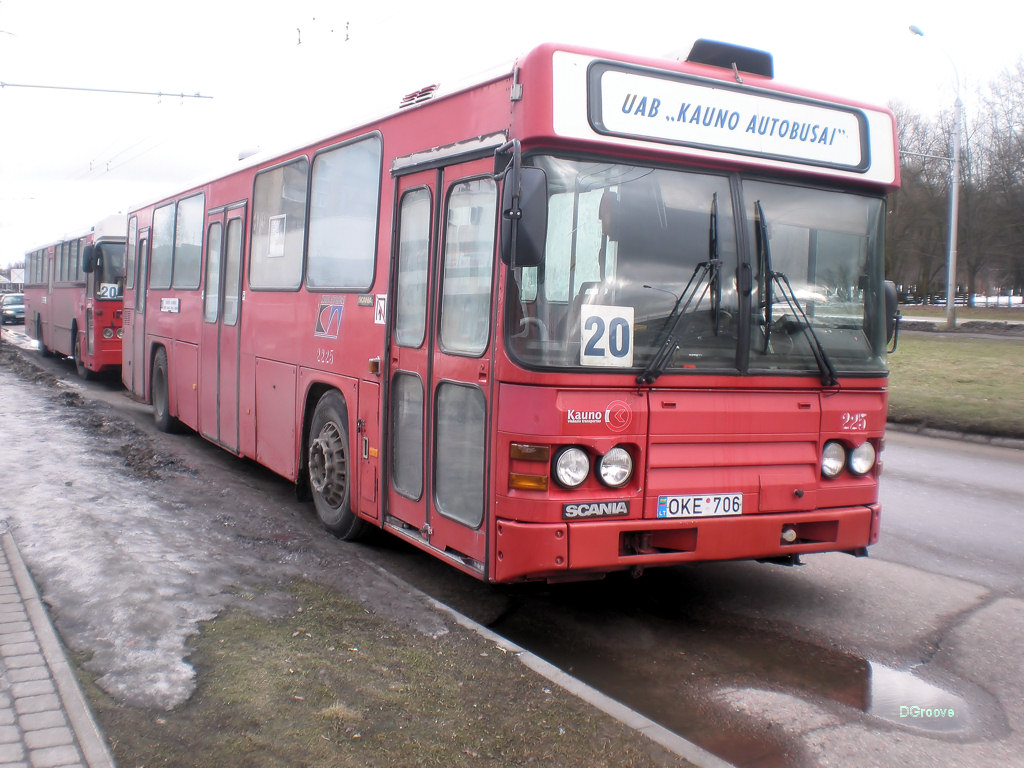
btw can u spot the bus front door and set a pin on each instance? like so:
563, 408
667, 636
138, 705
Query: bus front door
440, 372
219, 347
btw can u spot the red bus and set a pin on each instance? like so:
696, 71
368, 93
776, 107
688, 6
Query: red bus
594, 313
73, 292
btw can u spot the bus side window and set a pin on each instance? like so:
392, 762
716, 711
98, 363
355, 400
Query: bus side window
162, 247
345, 195
188, 242
279, 226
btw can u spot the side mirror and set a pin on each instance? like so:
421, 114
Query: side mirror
89, 254
892, 314
524, 217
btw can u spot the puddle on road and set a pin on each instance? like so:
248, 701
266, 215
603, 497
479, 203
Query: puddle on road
674, 668
900, 697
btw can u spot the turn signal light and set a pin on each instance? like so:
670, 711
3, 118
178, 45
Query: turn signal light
529, 452
523, 482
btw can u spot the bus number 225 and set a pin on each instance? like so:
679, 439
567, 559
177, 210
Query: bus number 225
854, 422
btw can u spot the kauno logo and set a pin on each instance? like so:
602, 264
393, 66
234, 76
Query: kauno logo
584, 417
616, 416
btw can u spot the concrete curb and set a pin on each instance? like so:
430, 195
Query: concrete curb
90, 739
671, 741
1014, 443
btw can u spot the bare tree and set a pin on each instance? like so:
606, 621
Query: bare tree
916, 232
991, 227
1003, 174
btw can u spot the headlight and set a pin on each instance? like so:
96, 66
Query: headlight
862, 458
108, 333
833, 459
120, 333
615, 467
571, 467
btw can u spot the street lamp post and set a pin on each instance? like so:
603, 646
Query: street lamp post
954, 211
954, 196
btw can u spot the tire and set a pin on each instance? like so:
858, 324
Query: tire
44, 350
83, 372
161, 394
330, 470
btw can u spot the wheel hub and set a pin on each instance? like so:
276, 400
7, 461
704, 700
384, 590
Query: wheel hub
328, 465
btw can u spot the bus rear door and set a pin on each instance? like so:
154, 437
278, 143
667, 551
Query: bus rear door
440, 359
134, 369
219, 347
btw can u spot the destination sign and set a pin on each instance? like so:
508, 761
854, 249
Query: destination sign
719, 116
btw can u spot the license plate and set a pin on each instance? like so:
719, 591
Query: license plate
701, 505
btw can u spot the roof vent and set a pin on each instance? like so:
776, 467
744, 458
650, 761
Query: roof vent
418, 97
734, 57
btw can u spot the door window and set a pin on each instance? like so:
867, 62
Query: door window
459, 453
232, 271
407, 427
413, 258
211, 295
468, 262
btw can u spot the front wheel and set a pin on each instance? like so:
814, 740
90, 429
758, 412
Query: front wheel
161, 394
330, 471
83, 372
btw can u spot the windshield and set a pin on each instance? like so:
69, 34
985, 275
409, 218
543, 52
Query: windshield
644, 271
818, 281
109, 270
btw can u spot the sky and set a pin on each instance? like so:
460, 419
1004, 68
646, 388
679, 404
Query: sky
277, 73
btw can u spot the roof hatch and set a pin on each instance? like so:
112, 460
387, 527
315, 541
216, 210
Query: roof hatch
729, 56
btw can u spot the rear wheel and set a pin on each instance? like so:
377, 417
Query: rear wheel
161, 394
330, 471
43, 349
83, 372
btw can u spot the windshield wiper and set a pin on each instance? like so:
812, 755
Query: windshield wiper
828, 372
764, 269
770, 278
704, 274
705, 271
716, 283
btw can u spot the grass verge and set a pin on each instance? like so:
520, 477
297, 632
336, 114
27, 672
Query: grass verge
333, 685
932, 312
960, 383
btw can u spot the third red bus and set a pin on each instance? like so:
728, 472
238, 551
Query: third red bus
73, 293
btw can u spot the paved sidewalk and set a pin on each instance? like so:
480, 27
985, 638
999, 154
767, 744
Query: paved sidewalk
45, 721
